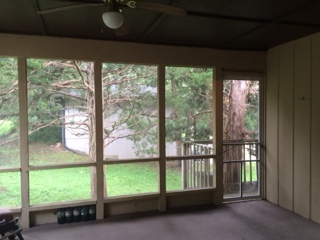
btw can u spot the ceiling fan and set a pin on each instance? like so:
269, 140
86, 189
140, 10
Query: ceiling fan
114, 18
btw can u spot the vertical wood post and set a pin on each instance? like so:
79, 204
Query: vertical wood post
162, 137
218, 137
99, 140
24, 150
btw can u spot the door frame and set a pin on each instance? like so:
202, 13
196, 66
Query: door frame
252, 76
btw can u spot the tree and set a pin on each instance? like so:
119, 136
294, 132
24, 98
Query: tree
9, 114
129, 91
188, 104
130, 106
241, 116
8, 95
61, 94
235, 102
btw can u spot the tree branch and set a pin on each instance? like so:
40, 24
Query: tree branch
82, 77
128, 135
11, 89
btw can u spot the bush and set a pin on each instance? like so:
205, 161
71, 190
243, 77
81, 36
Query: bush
6, 128
48, 135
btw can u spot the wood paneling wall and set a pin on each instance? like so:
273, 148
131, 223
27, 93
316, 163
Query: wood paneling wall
292, 126
315, 130
272, 103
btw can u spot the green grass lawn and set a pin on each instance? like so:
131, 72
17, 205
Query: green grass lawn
59, 185
249, 172
133, 178
10, 189
69, 184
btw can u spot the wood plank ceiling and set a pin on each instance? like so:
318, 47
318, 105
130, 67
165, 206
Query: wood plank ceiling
219, 24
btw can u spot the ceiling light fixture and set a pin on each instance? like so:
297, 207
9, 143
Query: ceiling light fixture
113, 19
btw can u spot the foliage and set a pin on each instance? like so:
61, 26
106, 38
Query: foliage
130, 102
6, 128
48, 135
130, 106
252, 110
8, 100
52, 84
188, 104
188, 108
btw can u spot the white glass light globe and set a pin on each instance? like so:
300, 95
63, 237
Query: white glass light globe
113, 19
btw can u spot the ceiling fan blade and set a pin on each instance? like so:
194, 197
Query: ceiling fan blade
57, 9
158, 7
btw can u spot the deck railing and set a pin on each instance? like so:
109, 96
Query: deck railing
241, 164
198, 171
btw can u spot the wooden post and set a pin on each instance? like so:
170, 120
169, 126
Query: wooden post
99, 185
218, 137
24, 150
162, 137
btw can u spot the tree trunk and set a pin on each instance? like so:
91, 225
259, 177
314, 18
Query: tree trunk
234, 129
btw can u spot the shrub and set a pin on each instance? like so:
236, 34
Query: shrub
6, 128
48, 135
